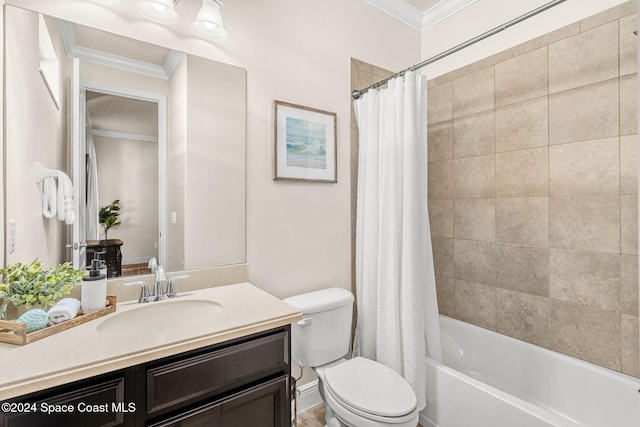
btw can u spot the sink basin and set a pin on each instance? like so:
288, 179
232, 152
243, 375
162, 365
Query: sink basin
159, 317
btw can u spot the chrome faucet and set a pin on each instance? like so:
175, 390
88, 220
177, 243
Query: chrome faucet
144, 291
158, 292
161, 278
171, 290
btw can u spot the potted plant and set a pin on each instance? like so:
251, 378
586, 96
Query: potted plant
108, 216
30, 284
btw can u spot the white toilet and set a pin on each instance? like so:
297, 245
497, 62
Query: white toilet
358, 392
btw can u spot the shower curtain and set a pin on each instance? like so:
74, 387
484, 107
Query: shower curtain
397, 321
92, 224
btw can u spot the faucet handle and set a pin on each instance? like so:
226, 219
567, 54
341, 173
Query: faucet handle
144, 291
171, 290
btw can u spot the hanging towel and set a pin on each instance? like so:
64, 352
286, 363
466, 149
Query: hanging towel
66, 211
49, 198
65, 309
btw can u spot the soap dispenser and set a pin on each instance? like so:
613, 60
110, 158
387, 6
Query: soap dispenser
94, 288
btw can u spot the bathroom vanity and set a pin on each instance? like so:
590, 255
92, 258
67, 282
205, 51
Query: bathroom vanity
236, 374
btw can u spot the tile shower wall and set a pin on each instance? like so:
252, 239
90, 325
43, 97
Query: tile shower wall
533, 191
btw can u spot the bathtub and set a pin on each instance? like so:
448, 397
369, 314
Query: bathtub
491, 380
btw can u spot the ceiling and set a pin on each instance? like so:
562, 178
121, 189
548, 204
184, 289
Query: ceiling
420, 14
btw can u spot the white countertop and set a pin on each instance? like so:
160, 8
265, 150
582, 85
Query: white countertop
82, 352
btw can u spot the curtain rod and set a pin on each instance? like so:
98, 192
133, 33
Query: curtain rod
358, 93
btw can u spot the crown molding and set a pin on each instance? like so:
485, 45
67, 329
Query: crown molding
442, 10
410, 15
72, 49
399, 9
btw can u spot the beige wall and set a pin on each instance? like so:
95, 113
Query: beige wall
533, 191
214, 168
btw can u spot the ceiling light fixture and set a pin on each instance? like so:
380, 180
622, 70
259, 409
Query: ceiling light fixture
108, 2
208, 23
159, 10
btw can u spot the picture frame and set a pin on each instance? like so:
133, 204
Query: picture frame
305, 148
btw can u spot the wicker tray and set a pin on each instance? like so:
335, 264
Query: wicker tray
13, 332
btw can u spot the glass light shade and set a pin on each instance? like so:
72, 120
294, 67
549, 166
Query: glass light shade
107, 2
208, 23
158, 10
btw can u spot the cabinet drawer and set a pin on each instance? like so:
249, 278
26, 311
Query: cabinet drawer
264, 405
201, 376
95, 405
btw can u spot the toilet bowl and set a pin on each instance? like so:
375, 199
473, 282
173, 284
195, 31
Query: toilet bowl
364, 393
358, 392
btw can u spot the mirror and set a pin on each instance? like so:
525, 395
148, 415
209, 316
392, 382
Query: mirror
168, 141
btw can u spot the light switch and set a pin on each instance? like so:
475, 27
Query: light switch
174, 218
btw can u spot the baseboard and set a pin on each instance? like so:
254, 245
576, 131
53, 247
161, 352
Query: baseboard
426, 422
307, 396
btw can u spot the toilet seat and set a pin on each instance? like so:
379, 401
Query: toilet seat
367, 389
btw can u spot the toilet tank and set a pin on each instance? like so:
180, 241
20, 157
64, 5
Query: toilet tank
324, 333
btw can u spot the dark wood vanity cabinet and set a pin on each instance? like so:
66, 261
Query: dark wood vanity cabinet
242, 382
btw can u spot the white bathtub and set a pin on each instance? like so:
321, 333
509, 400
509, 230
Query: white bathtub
491, 380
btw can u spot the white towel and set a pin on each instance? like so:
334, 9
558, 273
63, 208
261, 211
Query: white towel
66, 211
49, 198
65, 309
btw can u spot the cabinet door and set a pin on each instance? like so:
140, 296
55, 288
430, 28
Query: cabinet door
87, 406
264, 405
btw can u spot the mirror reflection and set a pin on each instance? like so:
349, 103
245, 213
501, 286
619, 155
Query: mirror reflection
158, 132
121, 195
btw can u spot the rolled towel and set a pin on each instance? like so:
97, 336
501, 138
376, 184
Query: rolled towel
65, 309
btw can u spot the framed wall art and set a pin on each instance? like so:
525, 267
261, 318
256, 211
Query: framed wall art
305, 144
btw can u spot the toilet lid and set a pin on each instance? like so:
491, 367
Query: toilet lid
371, 387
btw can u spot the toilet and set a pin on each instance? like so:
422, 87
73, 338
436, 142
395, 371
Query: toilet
357, 392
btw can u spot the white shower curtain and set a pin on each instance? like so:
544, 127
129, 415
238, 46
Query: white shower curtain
395, 281
92, 209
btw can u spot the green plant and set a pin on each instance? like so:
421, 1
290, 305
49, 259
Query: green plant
30, 284
109, 216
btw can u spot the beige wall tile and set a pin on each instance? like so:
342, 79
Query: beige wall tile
474, 219
628, 45
608, 15
587, 278
586, 58
585, 168
521, 78
523, 221
441, 179
473, 93
586, 333
629, 230
630, 356
629, 284
446, 296
474, 135
522, 125
523, 269
629, 164
441, 217
476, 304
629, 104
523, 316
475, 261
522, 173
585, 223
440, 141
474, 177
442, 256
440, 103
574, 116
